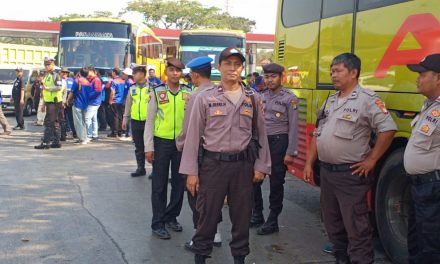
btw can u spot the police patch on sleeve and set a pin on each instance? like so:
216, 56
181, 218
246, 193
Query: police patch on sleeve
381, 106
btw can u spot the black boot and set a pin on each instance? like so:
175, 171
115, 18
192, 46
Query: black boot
257, 219
239, 259
140, 159
42, 146
271, 225
200, 259
342, 257
55, 145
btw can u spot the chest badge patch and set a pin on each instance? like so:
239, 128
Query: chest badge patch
424, 129
163, 97
435, 113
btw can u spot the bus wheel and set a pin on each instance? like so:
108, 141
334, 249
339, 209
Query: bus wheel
392, 207
27, 111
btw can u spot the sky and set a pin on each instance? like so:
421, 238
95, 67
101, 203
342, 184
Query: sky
262, 11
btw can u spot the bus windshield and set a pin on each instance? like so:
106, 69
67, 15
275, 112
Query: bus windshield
100, 44
193, 46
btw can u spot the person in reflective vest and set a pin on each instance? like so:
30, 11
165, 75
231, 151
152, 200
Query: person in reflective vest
136, 106
53, 98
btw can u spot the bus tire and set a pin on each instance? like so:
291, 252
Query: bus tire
391, 207
28, 107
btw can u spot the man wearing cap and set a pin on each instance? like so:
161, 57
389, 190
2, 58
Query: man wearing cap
62, 116
281, 116
36, 89
152, 79
136, 109
95, 98
166, 110
341, 140
18, 98
230, 120
117, 95
422, 163
260, 85
200, 74
53, 98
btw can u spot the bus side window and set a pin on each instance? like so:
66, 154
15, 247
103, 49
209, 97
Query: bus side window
299, 12
333, 8
371, 4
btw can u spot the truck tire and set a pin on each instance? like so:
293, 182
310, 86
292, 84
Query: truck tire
392, 207
28, 107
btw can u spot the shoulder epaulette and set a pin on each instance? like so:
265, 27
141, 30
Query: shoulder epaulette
368, 91
159, 87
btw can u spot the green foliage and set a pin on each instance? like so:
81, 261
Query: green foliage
75, 15
187, 14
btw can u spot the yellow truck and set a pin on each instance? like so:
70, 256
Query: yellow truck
386, 35
12, 54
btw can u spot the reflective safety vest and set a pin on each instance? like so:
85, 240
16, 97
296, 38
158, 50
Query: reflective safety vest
50, 81
140, 97
170, 111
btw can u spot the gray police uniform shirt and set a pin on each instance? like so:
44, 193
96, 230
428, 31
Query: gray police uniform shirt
281, 116
225, 127
344, 134
180, 140
422, 153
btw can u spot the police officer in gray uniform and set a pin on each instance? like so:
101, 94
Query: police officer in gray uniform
422, 163
200, 75
235, 153
281, 116
347, 160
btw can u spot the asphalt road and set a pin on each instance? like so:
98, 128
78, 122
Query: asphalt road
79, 205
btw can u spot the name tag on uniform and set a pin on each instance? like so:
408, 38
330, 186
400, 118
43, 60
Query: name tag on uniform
134, 91
163, 97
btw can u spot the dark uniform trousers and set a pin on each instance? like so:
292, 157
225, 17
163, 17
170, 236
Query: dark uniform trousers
192, 201
424, 222
117, 111
345, 213
18, 109
278, 146
69, 118
165, 152
102, 119
52, 130
219, 179
138, 128
62, 121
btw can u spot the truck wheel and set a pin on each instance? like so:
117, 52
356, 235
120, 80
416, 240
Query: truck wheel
27, 111
392, 207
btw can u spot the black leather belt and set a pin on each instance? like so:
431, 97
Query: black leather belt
336, 167
228, 157
418, 179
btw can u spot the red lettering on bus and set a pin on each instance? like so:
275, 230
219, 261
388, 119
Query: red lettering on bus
426, 30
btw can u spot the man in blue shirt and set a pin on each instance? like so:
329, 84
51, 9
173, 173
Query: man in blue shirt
80, 99
95, 98
152, 79
117, 102
127, 76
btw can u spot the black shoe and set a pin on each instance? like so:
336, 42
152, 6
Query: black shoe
55, 145
42, 146
270, 226
189, 246
161, 233
342, 257
94, 139
18, 128
175, 226
200, 259
112, 135
63, 139
239, 259
257, 219
328, 249
139, 172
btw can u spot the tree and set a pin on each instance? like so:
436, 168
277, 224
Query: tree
187, 14
75, 15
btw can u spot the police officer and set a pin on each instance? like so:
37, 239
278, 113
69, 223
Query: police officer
136, 109
53, 98
164, 123
200, 74
18, 98
281, 118
347, 161
422, 163
235, 153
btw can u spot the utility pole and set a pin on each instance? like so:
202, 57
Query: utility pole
227, 6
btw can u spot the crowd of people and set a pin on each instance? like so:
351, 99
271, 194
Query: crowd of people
220, 141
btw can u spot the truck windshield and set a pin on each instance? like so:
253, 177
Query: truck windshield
7, 76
